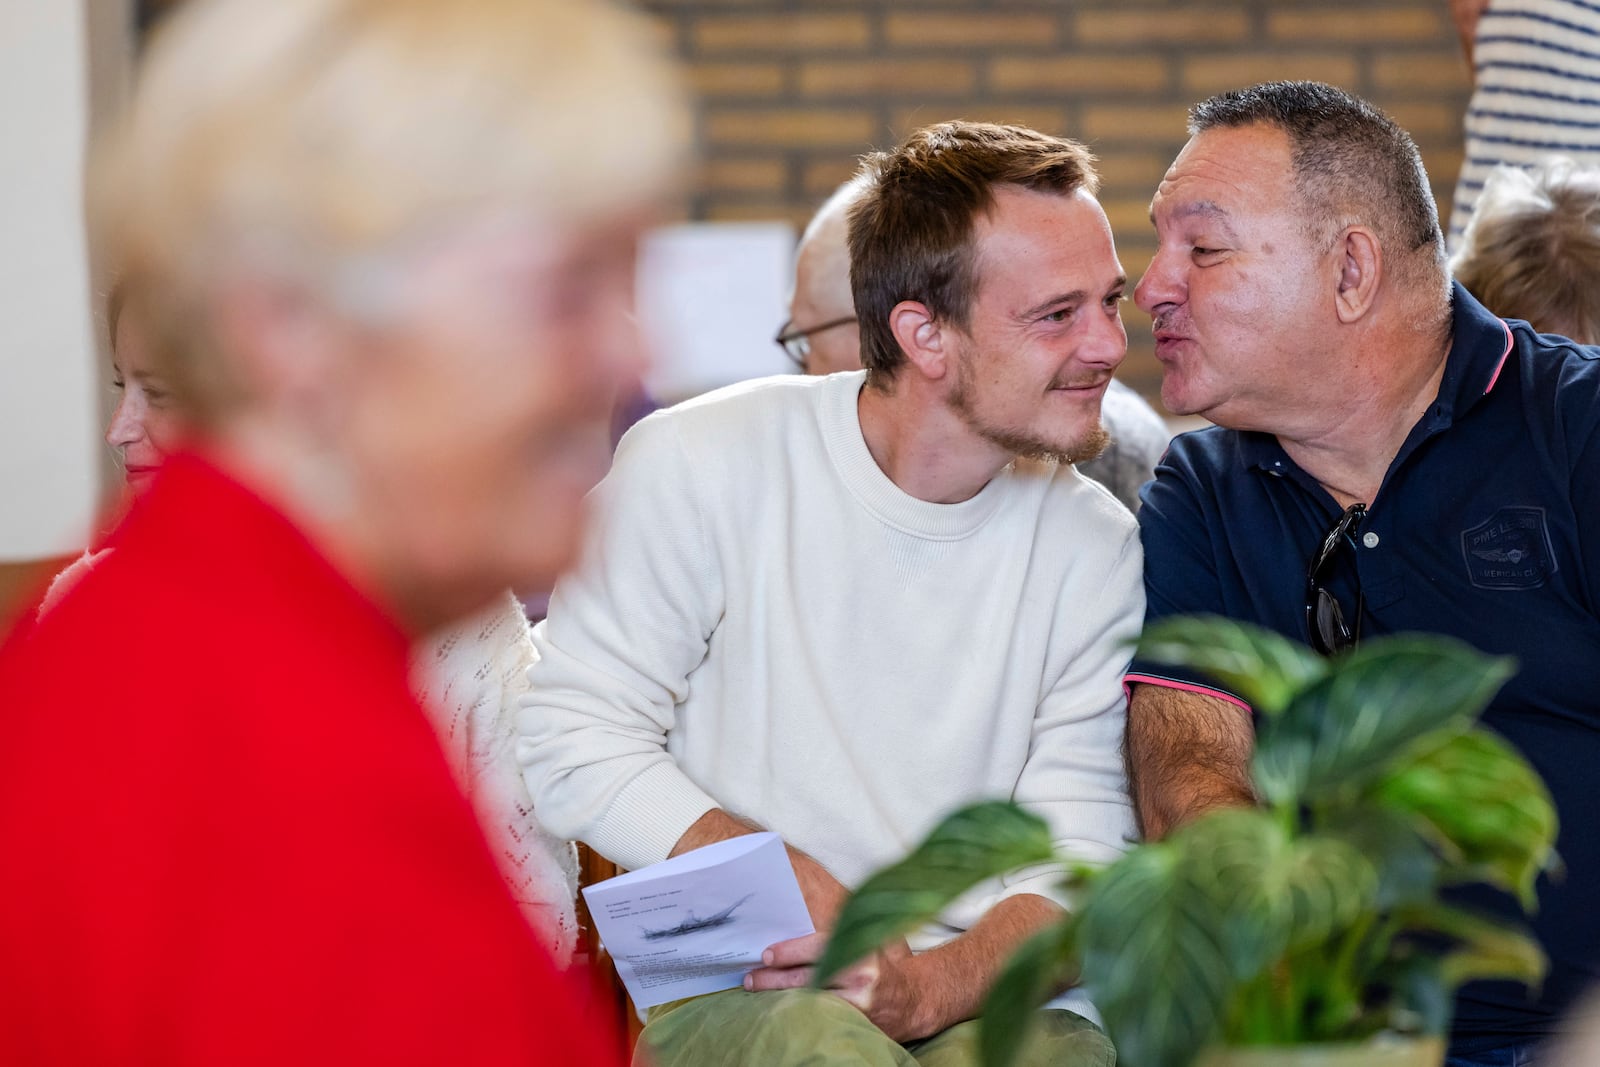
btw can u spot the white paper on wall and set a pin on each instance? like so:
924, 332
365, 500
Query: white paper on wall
711, 298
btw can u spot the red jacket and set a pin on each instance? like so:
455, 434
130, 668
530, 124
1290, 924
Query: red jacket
227, 833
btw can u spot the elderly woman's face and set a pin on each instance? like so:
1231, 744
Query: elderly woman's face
145, 425
484, 406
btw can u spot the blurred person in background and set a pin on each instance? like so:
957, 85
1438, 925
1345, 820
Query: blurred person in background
144, 426
467, 676
822, 336
145, 423
386, 269
1535, 90
1532, 249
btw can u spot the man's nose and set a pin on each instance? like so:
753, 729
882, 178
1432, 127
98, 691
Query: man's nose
1162, 283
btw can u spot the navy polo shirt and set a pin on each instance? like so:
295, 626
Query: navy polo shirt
1486, 528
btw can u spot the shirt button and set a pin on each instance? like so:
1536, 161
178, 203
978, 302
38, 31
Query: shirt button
1370, 539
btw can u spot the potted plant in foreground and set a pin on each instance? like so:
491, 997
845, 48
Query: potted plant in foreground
1313, 920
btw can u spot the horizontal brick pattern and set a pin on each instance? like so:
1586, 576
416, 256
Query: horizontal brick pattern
978, 29
1186, 26
793, 91
797, 33
888, 77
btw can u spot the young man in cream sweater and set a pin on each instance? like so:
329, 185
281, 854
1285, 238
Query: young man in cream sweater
839, 607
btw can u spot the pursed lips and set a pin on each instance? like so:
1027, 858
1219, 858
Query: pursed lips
1167, 341
1164, 333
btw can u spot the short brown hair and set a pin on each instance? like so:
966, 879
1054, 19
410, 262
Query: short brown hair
911, 230
1532, 249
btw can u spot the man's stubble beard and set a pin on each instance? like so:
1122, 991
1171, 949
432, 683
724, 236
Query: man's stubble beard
1022, 443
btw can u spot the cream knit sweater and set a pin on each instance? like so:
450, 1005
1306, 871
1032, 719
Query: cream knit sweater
468, 678
764, 622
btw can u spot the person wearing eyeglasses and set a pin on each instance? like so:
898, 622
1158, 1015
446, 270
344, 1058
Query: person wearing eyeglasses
821, 337
1388, 456
838, 607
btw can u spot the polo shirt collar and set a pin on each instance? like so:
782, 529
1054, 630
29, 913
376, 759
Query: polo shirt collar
1480, 344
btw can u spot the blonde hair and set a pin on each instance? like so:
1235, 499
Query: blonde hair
1532, 248
311, 137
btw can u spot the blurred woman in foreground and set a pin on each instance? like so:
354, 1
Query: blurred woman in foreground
384, 249
468, 675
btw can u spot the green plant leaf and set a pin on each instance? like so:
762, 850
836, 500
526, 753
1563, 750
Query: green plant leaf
1277, 893
1488, 948
1149, 941
1010, 1010
1364, 716
1408, 868
1265, 669
982, 841
1486, 804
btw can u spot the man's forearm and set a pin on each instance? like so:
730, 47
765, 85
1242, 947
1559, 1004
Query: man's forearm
824, 895
951, 981
1186, 754
715, 825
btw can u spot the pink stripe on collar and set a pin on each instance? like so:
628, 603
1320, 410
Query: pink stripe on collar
1501, 365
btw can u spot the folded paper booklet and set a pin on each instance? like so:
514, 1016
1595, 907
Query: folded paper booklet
697, 922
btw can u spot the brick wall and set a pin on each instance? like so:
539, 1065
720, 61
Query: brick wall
793, 90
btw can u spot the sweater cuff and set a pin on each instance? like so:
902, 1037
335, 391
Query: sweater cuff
1048, 880
648, 816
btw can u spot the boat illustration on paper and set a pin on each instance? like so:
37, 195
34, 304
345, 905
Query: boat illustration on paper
690, 924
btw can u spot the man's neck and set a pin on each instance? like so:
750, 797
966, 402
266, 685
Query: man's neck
924, 447
1350, 450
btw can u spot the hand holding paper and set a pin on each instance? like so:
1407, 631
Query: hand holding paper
698, 922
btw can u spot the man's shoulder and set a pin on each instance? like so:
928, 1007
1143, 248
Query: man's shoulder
1559, 390
1209, 452
752, 397
1211, 471
740, 412
1085, 509
1560, 363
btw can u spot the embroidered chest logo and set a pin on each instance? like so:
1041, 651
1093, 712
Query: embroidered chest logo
1510, 550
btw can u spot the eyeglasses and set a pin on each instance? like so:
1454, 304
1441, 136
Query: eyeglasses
1330, 631
796, 344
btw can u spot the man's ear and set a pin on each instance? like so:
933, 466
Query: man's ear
921, 338
1360, 272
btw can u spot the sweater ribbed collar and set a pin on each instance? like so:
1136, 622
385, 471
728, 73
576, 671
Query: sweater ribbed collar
875, 491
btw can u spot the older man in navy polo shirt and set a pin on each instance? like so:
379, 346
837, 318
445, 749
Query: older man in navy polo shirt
1451, 459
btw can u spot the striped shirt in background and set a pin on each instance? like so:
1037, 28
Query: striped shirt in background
1537, 92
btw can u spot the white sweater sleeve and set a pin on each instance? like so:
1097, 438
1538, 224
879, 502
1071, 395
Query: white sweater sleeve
1074, 776
625, 631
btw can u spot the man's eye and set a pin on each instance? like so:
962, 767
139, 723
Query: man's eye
1198, 251
1061, 315
1114, 299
